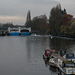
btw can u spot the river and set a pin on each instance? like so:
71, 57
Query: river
22, 55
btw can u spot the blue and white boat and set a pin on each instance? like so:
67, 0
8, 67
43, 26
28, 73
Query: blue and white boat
67, 66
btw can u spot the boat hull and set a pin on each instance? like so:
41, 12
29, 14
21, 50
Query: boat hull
63, 73
53, 64
46, 57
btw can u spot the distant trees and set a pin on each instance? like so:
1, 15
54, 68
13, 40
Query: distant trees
55, 19
5, 26
60, 22
39, 24
66, 23
28, 20
72, 29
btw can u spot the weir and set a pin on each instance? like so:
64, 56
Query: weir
19, 31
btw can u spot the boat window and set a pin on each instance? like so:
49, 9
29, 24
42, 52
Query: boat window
48, 52
70, 56
69, 65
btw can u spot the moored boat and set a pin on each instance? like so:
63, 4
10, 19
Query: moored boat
53, 62
69, 57
47, 54
66, 65
67, 68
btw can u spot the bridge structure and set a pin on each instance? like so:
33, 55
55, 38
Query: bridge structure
19, 31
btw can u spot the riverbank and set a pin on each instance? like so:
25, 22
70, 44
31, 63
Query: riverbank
64, 37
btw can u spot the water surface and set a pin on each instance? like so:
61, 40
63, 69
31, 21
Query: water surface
22, 55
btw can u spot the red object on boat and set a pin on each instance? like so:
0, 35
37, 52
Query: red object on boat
48, 52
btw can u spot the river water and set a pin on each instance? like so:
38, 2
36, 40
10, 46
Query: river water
22, 55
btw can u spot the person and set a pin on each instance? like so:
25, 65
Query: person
62, 53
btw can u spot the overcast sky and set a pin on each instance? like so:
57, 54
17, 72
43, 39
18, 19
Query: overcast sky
15, 11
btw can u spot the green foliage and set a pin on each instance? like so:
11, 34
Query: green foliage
66, 29
72, 29
28, 20
5, 26
63, 12
28, 24
55, 19
60, 23
39, 24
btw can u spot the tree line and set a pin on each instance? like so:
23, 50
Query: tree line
59, 23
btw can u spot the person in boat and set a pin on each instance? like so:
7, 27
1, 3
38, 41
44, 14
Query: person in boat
62, 53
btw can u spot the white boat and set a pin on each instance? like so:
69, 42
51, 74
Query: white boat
65, 64
67, 68
53, 62
69, 57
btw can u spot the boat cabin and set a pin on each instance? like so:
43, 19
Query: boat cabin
62, 53
69, 56
48, 52
68, 64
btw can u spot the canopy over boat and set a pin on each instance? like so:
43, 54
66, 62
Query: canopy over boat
69, 56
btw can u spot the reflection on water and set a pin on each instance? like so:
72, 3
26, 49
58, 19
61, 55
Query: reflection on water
23, 55
53, 69
46, 62
62, 44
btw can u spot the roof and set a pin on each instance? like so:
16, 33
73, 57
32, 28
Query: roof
70, 56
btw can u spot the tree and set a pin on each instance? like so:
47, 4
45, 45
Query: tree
28, 19
72, 29
40, 24
55, 20
66, 18
63, 12
28, 16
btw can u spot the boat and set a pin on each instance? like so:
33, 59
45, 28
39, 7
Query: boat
69, 56
53, 62
47, 54
53, 69
67, 68
65, 63
62, 53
